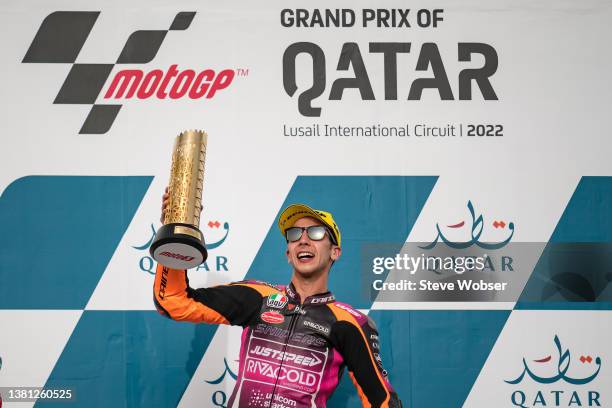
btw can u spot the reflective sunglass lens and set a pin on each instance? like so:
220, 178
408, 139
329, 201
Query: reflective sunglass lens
316, 233
293, 234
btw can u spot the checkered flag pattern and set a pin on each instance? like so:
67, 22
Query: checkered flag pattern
61, 37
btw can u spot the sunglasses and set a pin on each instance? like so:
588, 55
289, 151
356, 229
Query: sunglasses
315, 233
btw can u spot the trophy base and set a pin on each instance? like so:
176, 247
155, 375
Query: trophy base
179, 246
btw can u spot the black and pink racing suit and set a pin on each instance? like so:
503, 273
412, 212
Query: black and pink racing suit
293, 351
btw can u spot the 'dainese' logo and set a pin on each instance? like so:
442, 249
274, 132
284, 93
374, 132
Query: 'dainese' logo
550, 370
61, 37
215, 237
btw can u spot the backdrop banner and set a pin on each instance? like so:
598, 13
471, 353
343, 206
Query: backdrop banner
463, 148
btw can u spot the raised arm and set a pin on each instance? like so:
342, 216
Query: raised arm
234, 304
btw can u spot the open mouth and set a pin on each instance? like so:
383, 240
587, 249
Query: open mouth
305, 255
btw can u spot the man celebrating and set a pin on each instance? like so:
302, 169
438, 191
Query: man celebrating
297, 339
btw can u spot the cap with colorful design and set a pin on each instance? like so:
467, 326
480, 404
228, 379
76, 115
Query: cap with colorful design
296, 211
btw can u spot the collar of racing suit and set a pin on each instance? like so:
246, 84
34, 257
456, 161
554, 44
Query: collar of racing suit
318, 299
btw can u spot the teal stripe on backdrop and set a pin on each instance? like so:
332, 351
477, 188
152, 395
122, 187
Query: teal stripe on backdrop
588, 215
59, 234
574, 272
129, 359
433, 357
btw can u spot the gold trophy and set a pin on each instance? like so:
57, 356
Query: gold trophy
179, 243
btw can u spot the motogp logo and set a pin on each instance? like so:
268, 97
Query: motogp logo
61, 37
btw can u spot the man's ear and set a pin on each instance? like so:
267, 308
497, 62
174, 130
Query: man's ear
335, 252
288, 259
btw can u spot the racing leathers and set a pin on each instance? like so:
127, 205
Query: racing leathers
293, 350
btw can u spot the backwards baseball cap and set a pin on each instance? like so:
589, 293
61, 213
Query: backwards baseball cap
296, 211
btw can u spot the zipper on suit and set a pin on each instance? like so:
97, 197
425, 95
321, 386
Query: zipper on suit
294, 316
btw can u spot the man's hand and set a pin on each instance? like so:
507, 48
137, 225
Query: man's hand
165, 201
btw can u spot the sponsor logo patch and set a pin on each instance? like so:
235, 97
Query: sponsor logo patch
265, 330
277, 300
290, 377
326, 299
348, 309
290, 292
316, 326
307, 359
378, 360
272, 317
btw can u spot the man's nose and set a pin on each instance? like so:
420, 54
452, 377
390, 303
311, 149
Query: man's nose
304, 237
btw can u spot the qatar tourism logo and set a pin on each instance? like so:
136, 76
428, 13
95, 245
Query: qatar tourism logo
558, 369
